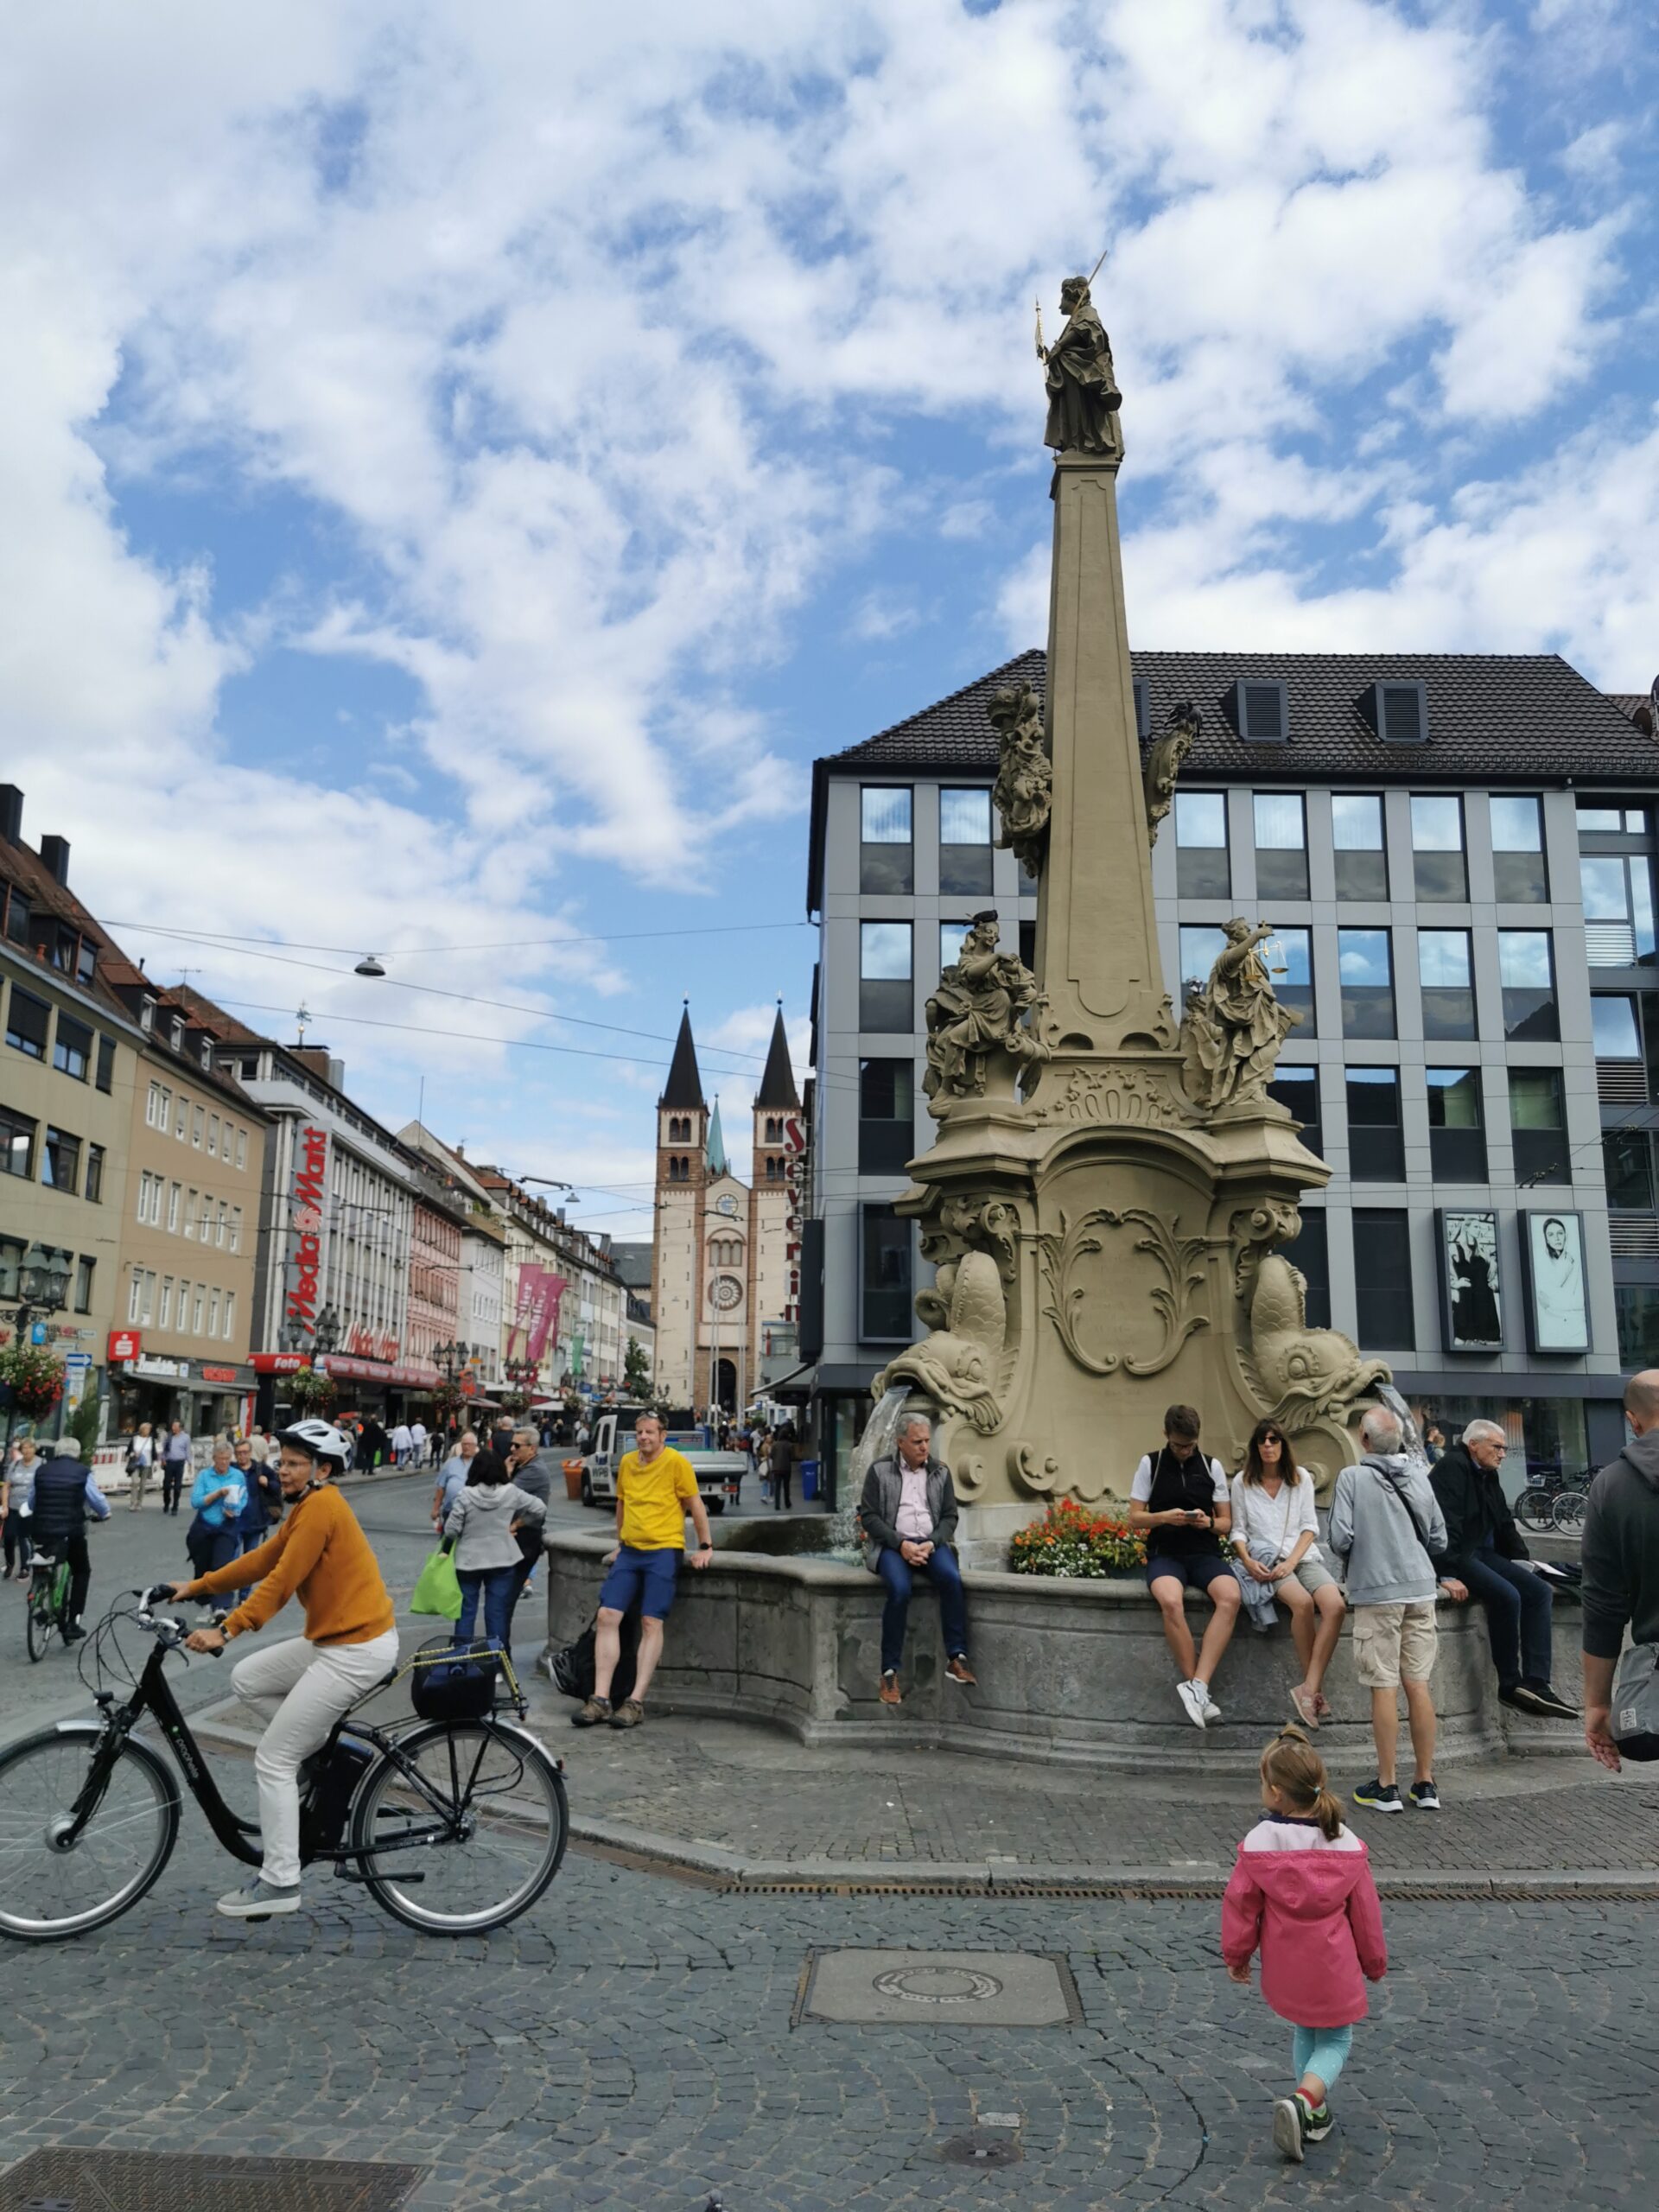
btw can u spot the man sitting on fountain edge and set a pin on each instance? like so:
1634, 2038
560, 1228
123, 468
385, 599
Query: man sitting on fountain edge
1180, 1503
909, 1514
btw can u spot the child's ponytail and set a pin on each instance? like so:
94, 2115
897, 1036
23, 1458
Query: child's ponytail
1292, 1766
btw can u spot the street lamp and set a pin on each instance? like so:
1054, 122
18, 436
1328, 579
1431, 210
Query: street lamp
42, 1290
326, 1336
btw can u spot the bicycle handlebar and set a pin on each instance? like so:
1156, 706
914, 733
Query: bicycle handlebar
172, 1632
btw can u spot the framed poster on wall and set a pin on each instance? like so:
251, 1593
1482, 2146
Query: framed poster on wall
1471, 1291
1552, 1253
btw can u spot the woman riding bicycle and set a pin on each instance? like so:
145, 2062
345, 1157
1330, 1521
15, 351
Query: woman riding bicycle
301, 1687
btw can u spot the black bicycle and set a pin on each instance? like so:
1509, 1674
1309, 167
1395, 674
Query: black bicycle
455, 1824
1556, 1500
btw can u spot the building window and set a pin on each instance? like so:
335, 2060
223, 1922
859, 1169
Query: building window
1201, 865
84, 1267
1309, 1250
884, 1315
26, 1021
155, 1110
61, 1160
241, 1147
1538, 1125
221, 1222
212, 1135
85, 960
1627, 1157
965, 840
1446, 975
1280, 845
886, 854
144, 1181
17, 1145
1365, 968
94, 1174
165, 1312
1526, 969
230, 1315
886, 1000
135, 1296
886, 1116
1262, 711
1376, 1144
1621, 1070
182, 1121
196, 1304
1437, 859
1357, 833
17, 918
198, 1118
236, 1229
1400, 711
106, 1077
147, 1302
1297, 1090
1520, 876
1597, 819
213, 1313
11, 1248
190, 1215
1384, 1312
1457, 1129
72, 1050
1294, 985
175, 1192
207, 1229
1638, 1307
1617, 891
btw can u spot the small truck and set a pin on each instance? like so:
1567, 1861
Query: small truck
613, 1436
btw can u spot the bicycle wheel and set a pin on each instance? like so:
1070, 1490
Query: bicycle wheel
464, 1830
39, 1624
48, 1892
1567, 1513
1531, 1508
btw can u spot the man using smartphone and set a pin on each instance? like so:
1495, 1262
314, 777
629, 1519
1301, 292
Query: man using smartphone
1181, 1503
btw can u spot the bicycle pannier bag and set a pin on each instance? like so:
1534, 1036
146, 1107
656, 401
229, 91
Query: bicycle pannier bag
448, 1684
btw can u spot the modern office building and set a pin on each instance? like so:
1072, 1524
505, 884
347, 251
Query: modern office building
1457, 854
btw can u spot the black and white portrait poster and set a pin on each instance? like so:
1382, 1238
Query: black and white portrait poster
1471, 1290
1558, 1311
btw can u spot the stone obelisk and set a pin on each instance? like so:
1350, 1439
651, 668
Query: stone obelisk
1107, 1189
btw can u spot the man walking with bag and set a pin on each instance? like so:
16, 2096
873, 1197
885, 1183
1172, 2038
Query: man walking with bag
1621, 1589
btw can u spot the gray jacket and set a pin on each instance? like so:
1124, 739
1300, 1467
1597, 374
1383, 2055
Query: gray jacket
1381, 1513
482, 1519
1621, 1551
878, 1509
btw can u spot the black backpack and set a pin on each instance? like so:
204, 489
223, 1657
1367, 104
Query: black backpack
572, 1669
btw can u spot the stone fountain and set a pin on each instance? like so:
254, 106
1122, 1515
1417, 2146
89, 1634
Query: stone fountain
1110, 1183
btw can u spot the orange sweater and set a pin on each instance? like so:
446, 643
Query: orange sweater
319, 1551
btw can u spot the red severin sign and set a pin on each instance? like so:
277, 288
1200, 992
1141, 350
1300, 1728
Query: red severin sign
306, 1196
125, 1343
218, 1375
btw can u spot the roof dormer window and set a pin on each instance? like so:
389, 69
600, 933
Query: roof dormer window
175, 1034
1401, 713
1261, 711
147, 1016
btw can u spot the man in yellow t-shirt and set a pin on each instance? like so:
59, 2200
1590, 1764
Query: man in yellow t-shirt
655, 1491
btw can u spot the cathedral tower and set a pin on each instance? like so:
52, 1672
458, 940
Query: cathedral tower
682, 1175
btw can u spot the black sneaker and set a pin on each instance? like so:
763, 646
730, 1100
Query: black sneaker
1425, 1797
1316, 2122
1381, 1796
1539, 1697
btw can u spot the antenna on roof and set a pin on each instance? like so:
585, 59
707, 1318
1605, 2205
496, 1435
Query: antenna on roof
301, 1018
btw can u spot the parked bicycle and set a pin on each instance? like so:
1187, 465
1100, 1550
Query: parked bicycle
1553, 1501
47, 1604
456, 1820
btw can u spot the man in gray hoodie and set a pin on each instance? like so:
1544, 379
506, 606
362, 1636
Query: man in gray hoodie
1620, 1555
1387, 1530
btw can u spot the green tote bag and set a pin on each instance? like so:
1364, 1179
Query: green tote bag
438, 1590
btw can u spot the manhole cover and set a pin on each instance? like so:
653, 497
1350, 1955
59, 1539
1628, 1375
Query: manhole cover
980, 2151
148, 2180
979, 1989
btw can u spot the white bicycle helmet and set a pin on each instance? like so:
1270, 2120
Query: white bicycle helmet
319, 1440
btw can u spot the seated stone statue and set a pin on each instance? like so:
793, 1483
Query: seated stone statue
977, 1013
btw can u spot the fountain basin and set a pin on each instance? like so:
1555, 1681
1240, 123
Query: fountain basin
1068, 1670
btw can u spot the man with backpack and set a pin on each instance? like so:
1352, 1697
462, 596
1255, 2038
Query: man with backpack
1620, 1555
1388, 1530
64, 1493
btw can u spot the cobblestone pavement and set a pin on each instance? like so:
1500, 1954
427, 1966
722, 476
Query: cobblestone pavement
628, 2044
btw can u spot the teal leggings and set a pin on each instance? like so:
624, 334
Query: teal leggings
1321, 2052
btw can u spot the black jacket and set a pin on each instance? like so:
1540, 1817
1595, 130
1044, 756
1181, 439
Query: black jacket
1620, 1550
1475, 1509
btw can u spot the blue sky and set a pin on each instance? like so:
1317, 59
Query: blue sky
460, 465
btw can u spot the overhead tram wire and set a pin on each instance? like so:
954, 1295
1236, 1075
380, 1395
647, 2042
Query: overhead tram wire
505, 945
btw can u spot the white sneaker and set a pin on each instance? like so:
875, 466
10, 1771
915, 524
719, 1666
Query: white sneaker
1191, 1697
1212, 1710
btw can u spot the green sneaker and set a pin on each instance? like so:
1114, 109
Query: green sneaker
1316, 2122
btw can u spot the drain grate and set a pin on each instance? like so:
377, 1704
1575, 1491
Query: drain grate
981, 2151
59, 2180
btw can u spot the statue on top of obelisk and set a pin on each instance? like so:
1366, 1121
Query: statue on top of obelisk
1083, 394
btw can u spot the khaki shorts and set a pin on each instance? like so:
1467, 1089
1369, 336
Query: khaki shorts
1393, 1644
1313, 1575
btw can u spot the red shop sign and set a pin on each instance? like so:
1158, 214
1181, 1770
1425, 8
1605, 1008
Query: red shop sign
218, 1375
125, 1343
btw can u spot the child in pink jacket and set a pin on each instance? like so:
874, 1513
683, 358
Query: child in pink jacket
1302, 1890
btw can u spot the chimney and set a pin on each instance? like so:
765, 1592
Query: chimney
11, 814
55, 855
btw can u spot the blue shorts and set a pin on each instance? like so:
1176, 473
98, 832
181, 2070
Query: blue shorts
1196, 1570
647, 1577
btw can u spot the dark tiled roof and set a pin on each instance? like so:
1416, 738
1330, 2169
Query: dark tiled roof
1491, 717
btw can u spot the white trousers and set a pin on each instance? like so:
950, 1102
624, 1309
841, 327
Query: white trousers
299, 1690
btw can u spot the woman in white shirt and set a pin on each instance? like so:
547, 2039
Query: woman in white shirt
1275, 1539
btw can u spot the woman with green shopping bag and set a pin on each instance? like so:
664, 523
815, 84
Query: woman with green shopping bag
438, 1589
484, 1522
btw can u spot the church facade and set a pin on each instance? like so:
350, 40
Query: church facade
725, 1261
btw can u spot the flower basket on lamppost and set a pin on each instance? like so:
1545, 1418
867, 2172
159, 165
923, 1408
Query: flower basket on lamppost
448, 1399
312, 1392
521, 1375
33, 1374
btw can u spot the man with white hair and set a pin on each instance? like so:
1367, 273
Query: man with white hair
1483, 1549
908, 1512
1387, 1528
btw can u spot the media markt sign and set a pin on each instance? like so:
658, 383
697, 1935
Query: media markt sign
306, 1193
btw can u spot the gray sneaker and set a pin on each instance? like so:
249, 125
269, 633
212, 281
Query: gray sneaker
258, 1899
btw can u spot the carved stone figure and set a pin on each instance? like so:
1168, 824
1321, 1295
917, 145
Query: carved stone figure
1302, 1373
1165, 761
1084, 398
1233, 1026
977, 1013
1024, 790
959, 1365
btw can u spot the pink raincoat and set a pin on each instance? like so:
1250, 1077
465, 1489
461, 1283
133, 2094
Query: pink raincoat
1316, 1916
